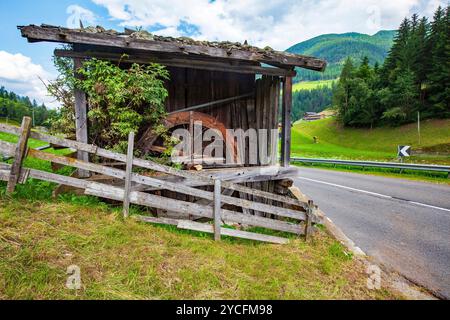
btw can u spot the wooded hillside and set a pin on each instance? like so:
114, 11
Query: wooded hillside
415, 78
14, 107
335, 48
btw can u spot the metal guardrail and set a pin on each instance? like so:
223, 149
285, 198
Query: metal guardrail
388, 165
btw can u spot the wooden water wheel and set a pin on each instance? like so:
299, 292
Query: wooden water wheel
151, 142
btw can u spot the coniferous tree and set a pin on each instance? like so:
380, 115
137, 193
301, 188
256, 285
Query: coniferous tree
414, 77
438, 79
342, 92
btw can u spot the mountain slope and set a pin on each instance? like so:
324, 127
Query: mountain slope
335, 48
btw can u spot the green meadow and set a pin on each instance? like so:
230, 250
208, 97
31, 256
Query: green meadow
380, 144
310, 85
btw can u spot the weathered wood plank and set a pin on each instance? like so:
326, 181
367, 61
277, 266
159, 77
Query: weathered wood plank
117, 173
105, 191
81, 129
64, 35
128, 172
145, 180
199, 177
19, 154
215, 103
201, 227
181, 63
309, 217
167, 221
286, 122
217, 209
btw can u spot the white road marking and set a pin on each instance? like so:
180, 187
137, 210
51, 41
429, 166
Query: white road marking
428, 206
348, 188
373, 193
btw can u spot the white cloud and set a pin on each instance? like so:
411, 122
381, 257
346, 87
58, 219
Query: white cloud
278, 23
19, 74
77, 14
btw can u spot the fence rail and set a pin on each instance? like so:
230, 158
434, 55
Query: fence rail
375, 164
300, 214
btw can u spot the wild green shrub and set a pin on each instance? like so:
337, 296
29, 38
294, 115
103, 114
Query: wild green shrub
121, 99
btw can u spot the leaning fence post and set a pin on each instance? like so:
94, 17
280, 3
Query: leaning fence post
309, 214
217, 205
128, 173
19, 155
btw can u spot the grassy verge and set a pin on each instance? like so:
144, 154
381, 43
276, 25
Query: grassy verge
32, 143
425, 176
365, 144
41, 237
131, 260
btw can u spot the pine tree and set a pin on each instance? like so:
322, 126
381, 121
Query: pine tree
438, 78
364, 71
342, 93
396, 57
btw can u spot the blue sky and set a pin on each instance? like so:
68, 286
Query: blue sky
277, 23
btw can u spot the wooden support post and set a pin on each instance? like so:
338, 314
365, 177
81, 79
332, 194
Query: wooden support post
217, 205
128, 173
191, 133
308, 221
81, 119
19, 155
286, 122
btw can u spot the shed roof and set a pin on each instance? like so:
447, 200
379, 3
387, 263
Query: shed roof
142, 42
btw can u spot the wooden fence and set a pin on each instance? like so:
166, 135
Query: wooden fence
292, 215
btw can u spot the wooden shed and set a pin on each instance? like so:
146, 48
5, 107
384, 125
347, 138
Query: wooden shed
225, 84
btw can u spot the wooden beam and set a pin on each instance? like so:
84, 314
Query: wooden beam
63, 35
286, 122
128, 173
81, 118
176, 62
202, 227
167, 221
214, 103
19, 154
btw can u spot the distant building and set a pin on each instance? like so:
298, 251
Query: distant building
327, 113
311, 116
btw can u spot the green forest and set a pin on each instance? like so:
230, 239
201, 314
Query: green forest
414, 79
14, 107
335, 48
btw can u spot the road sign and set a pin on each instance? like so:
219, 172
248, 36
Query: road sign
404, 151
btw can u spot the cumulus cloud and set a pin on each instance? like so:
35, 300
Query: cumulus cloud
19, 74
77, 13
278, 23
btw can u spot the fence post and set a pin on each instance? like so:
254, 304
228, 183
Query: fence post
309, 214
217, 209
128, 173
81, 120
20, 154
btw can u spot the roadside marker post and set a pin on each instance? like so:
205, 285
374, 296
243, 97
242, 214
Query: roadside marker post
404, 151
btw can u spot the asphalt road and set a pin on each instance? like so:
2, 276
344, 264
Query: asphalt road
402, 224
